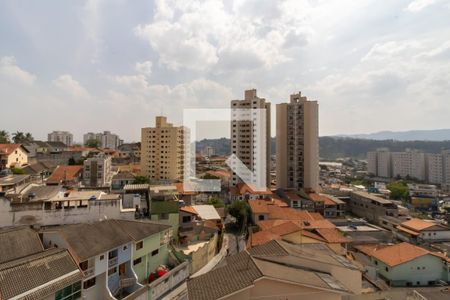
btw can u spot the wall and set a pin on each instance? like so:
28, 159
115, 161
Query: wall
172, 221
436, 235
204, 254
31, 215
408, 272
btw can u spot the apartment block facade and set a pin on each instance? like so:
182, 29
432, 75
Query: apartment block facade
248, 143
61, 136
163, 151
430, 167
297, 143
107, 139
97, 171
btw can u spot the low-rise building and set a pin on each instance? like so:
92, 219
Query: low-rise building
121, 179
279, 270
66, 175
97, 171
13, 155
416, 230
371, 207
407, 265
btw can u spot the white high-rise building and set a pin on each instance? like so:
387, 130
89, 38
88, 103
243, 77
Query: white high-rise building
446, 170
434, 168
97, 171
408, 164
61, 136
297, 144
107, 139
250, 139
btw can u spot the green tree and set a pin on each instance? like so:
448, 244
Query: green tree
4, 137
93, 143
141, 180
240, 210
21, 137
17, 171
399, 190
209, 176
216, 202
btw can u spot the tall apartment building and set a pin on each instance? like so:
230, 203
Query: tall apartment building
380, 163
409, 163
107, 139
446, 170
247, 142
61, 136
297, 154
163, 151
97, 171
433, 163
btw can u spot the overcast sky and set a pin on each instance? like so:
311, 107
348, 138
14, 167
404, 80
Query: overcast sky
114, 64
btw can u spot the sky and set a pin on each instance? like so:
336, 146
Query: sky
114, 65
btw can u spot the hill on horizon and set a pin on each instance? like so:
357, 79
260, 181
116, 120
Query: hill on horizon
411, 135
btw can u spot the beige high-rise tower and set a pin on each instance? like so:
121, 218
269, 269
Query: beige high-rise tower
297, 150
162, 151
249, 144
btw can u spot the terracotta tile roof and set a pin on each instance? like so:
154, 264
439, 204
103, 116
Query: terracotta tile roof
180, 189
8, 148
245, 188
292, 196
62, 173
401, 228
332, 235
395, 254
258, 206
219, 173
418, 224
188, 209
262, 237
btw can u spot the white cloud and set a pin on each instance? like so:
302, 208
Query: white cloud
9, 70
144, 67
418, 5
70, 86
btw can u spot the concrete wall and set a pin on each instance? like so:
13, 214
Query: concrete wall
204, 254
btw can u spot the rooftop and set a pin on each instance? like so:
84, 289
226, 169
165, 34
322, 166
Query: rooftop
18, 242
419, 224
39, 275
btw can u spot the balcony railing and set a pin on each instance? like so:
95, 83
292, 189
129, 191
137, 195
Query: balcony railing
89, 272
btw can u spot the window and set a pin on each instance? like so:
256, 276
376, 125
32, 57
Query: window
112, 254
84, 265
387, 269
137, 261
163, 216
155, 252
70, 292
139, 245
125, 247
261, 217
186, 219
89, 283
102, 257
112, 271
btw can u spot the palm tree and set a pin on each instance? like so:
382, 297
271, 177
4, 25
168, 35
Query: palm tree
18, 137
4, 137
29, 137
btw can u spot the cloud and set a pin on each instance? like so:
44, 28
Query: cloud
418, 5
9, 70
144, 67
70, 86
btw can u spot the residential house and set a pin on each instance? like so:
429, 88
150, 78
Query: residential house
405, 264
70, 176
12, 183
242, 191
23, 257
279, 270
13, 155
121, 179
166, 212
103, 251
416, 230
51, 205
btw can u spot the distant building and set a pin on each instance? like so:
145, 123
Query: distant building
97, 171
208, 151
245, 143
13, 155
61, 136
297, 139
371, 207
416, 230
106, 139
408, 164
163, 151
